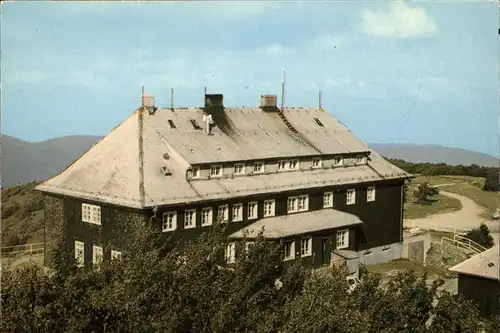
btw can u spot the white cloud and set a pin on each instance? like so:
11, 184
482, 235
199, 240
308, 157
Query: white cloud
400, 21
276, 49
26, 77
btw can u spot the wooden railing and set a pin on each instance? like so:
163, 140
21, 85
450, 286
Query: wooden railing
21, 250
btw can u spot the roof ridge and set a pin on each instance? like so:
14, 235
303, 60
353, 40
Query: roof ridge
142, 192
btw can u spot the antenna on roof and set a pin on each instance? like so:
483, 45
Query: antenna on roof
319, 100
172, 99
205, 90
283, 91
142, 95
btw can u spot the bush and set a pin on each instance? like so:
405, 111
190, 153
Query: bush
9, 210
481, 236
492, 182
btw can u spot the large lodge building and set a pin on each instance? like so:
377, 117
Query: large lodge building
298, 174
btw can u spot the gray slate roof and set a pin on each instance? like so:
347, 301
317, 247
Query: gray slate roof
485, 264
298, 224
114, 170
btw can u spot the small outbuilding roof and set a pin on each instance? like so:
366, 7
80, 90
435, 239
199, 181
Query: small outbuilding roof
485, 264
298, 224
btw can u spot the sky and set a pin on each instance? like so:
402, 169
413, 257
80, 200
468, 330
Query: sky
392, 71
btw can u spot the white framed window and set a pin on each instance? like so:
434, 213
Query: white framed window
230, 254
239, 169
189, 218
338, 161
96, 255
269, 208
293, 164
361, 160
196, 172
216, 171
306, 246
248, 246
298, 204
91, 213
206, 216
282, 165
258, 167
351, 197
252, 210
342, 239
370, 194
116, 255
223, 213
316, 162
328, 200
303, 203
288, 250
292, 204
79, 253
237, 213
169, 221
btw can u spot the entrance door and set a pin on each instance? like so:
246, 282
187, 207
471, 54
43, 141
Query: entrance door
326, 256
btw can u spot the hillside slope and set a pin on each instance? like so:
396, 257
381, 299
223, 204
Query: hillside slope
434, 154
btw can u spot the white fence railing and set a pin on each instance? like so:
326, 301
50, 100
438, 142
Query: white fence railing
463, 242
20, 250
439, 227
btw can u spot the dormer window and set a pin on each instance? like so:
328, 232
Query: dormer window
196, 172
316, 162
293, 164
216, 171
258, 167
361, 160
239, 169
282, 165
338, 161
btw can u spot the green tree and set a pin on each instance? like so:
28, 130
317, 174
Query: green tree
158, 286
481, 236
492, 182
424, 192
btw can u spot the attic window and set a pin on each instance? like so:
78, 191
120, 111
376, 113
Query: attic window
195, 124
318, 122
171, 123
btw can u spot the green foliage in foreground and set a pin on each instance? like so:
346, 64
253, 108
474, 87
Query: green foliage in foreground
188, 290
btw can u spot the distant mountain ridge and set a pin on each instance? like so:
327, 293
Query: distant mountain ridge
417, 153
23, 162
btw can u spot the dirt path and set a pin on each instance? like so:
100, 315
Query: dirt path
465, 218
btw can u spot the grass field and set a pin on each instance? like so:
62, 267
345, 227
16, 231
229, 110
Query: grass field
470, 187
442, 204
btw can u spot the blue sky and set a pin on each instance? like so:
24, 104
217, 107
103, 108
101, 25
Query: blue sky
416, 72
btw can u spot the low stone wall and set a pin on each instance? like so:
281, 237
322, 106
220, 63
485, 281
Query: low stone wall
380, 254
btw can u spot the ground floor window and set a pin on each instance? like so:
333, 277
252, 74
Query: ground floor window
96, 255
116, 254
230, 253
342, 239
79, 253
306, 246
288, 250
